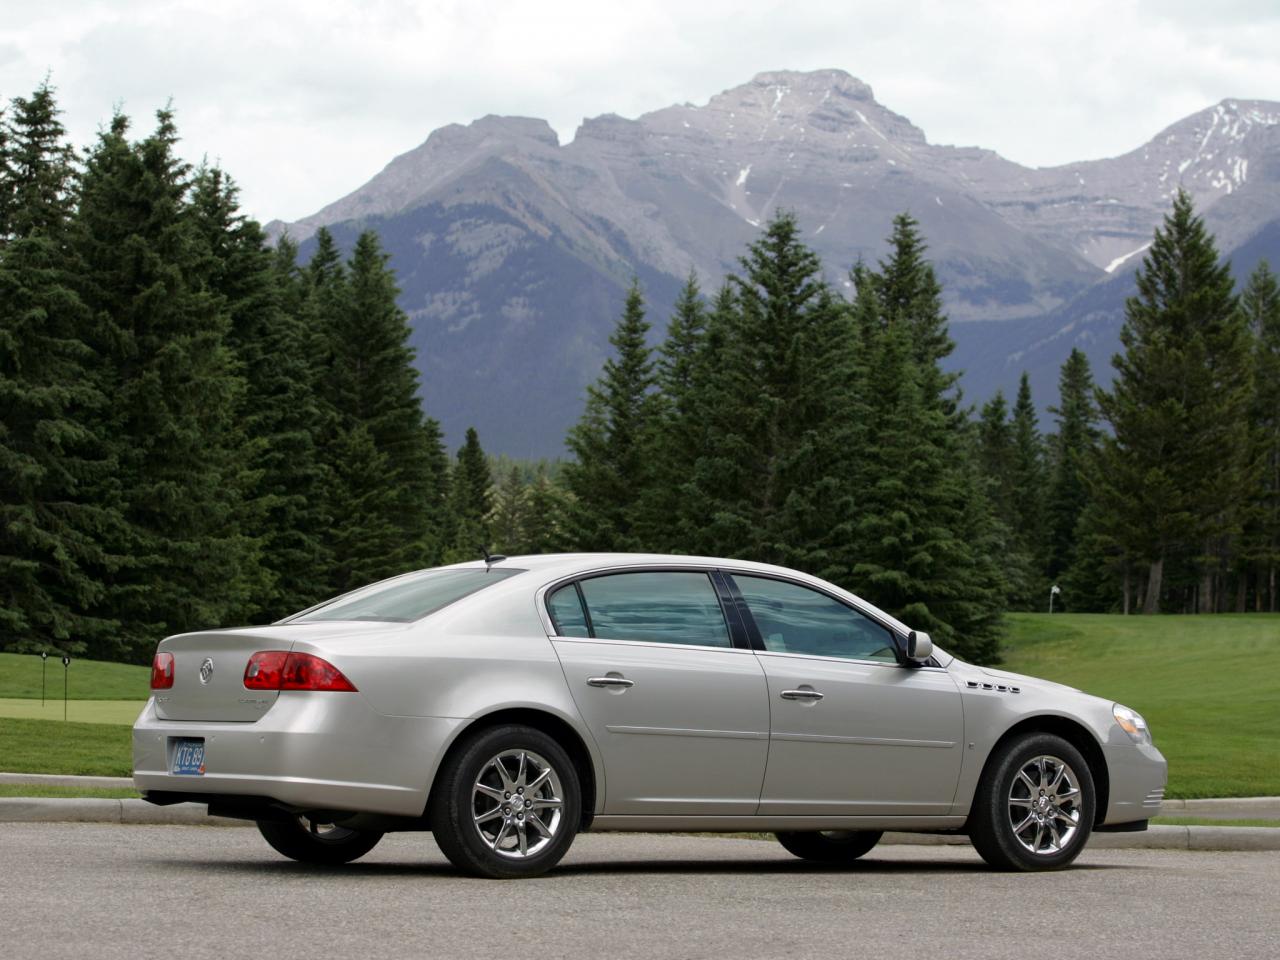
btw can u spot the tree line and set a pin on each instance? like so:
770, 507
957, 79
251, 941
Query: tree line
197, 430
784, 423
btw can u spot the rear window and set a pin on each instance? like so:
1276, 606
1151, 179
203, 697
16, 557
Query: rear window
406, 599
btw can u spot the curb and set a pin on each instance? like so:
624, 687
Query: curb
1237, 808
95, 810
62, 780
1160, 837
59, 810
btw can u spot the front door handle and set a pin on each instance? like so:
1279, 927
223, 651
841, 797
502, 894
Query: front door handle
610, 682
813, 695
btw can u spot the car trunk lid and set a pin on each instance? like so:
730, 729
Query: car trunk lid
208, 669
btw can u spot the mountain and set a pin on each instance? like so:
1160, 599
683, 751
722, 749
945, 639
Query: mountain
513, 250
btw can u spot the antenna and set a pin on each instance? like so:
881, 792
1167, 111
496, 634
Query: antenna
490, 559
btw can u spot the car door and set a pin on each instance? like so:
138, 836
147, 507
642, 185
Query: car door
853, 732
681, 714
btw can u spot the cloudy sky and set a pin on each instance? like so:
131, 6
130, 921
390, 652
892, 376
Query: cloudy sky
304, 100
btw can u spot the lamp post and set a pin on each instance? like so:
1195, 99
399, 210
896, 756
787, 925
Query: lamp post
1053, 592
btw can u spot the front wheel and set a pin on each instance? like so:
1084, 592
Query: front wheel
507, 804
1035, 809
829, 846
308, 841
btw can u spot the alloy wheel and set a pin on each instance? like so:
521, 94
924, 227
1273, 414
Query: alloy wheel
517, 803
1044, 805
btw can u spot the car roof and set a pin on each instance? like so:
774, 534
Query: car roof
552, 566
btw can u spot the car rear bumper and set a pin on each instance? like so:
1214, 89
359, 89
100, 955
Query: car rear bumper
1138, 774
310, 750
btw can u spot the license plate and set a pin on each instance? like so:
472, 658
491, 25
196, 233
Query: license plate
188, 758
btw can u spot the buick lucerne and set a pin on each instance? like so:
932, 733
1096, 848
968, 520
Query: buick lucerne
507, 705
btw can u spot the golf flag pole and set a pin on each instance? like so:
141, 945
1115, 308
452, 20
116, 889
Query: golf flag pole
44, 663
66, 668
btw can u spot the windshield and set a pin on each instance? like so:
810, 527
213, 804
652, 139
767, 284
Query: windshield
405, 599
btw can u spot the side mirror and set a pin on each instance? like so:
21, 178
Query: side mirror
919, 646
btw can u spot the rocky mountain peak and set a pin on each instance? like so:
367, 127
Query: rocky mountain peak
514, 252
494, 127
811, 82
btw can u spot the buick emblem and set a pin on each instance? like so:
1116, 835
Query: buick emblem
206, 670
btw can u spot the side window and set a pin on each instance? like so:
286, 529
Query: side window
795, 619
566, 612
662, 607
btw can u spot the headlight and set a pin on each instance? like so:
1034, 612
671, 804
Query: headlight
1131, 722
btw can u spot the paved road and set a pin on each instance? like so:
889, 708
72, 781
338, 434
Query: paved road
103, 891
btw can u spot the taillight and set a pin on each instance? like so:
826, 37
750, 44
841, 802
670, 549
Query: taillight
162, 671
278, 670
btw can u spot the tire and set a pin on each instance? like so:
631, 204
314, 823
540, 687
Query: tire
483, 821
829, 846
1012, 827
325, 844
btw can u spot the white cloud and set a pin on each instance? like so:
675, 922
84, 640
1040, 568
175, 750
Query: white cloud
304, 101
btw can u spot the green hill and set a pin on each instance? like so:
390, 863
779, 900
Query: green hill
86, 679
1209, 687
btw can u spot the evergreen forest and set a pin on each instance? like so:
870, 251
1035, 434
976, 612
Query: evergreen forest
197, 430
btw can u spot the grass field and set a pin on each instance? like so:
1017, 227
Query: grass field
51, 746
82, 711
86, 679
37, 790
1209, 687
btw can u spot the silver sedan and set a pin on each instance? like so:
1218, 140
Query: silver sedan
506, 705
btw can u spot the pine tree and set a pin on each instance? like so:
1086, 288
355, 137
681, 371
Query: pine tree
685, 440
508, 514
1028, 478
370, 385
1260, 303
926, 542
996, 444
547, 509
1170, 478
174, 392
470, 502
52, 562
996, 455
673, 442
283, 479
609, 442
1073, 446
773, 482
908, 292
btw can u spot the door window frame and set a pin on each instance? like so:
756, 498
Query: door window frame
735, 626
756, 639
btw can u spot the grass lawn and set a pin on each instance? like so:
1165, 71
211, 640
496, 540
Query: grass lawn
86, 679
1209, 687
51, 746
36, 790
83, 711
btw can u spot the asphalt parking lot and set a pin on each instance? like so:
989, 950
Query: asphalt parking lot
107, 891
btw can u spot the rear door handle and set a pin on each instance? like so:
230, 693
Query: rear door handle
610, 682
800, 695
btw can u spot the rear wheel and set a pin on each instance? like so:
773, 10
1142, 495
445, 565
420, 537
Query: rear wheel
830, 846
1036, 807
507, 804
308, 841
